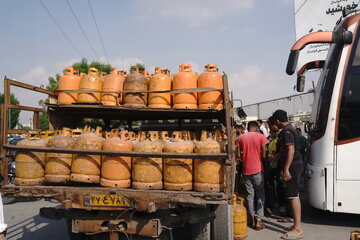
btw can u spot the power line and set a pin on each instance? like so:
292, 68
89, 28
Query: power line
97, 29
82, 29
58, 25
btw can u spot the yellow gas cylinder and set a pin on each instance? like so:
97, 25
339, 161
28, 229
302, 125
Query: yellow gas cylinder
239, 218
116, 170
114, 82
210, 78
135, 81
221, 138
147, 171
32, 135
58, 165
57, 132
208, 173
46, 134
69, 81
85, 167
50, 133
159, 82
178, 172
90, 82
164, 137
184, 79
75, 133
66, 132
30, 165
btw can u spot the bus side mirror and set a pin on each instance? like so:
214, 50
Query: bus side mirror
300, 83
343, 37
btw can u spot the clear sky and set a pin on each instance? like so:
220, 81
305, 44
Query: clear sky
249, 40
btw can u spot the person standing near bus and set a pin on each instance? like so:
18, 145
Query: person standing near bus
252, 149
292, 167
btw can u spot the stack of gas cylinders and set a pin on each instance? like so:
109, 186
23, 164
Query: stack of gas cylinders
141, 172
141, 89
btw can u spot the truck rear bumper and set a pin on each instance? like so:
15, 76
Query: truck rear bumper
140, 200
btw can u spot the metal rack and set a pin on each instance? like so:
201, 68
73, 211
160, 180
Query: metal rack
140, 199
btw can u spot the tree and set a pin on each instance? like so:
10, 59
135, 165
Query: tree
43, 117
139, 65
14, 113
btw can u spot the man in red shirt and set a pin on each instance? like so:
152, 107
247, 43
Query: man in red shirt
252, 148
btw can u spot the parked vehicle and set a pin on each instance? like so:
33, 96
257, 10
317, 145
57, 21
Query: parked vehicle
333, 170
205, 215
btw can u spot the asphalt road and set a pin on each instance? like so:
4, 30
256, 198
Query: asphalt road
25, 223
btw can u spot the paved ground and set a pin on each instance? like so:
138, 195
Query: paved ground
317, 225
25, 223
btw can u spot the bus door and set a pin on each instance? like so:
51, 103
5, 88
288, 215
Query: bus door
347, 194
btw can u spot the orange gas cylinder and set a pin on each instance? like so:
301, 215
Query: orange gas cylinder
208, 173
147, 171
178, 172
30, 165
58, 165
185, 78
135, 81
90, 82
159, 82
210, 78
114, 82
116, 170
239, 219
84, 167
69, 81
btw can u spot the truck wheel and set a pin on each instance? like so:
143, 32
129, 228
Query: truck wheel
222, 225
200, 231
7, 199
74, 236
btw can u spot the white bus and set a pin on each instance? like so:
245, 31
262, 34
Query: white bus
333, 171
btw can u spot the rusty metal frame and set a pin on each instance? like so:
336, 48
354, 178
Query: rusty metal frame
142, 199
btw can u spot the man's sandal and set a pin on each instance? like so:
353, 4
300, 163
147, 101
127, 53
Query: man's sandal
292, 236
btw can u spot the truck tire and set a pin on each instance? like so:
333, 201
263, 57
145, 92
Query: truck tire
222, 225
7, 199
74, 236
200, 231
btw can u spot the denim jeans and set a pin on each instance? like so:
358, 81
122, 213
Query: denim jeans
255, 194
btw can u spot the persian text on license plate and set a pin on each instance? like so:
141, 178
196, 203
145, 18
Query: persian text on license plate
106, 200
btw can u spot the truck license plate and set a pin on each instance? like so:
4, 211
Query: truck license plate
106, 200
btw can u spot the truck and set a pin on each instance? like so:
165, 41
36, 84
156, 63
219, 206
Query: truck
333, 168
143, 214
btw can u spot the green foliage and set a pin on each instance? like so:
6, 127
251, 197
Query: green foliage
53, 83
14, 113
84, 66
44, 121
139, 65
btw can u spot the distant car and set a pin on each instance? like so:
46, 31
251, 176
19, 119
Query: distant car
14, 141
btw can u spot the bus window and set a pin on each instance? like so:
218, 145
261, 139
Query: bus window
325, 89
349, 115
